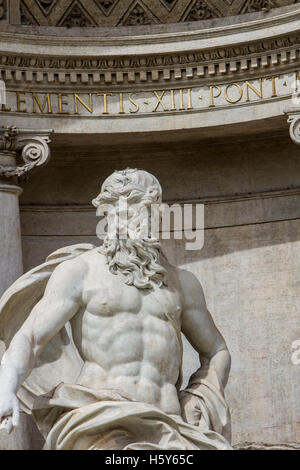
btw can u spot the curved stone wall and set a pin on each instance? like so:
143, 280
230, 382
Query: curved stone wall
169, 81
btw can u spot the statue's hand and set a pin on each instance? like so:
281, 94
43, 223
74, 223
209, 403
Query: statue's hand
9, 412
190, 410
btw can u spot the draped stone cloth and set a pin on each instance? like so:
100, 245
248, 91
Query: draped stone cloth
71, 416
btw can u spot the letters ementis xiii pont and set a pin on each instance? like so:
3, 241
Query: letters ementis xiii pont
118, 103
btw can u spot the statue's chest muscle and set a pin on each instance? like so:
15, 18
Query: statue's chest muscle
107, 299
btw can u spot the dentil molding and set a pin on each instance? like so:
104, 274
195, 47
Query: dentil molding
259, 46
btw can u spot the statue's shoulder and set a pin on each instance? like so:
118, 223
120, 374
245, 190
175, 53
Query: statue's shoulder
93, 256
88, 262
73, 259
189, 282
186, 279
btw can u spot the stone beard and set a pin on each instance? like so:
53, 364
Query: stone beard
93, 337
136, 257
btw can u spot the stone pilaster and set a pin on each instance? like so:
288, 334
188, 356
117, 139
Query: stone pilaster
31, 148
11, 266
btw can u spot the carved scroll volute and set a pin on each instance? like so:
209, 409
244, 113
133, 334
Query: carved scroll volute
35, 150
294, 120
31, 145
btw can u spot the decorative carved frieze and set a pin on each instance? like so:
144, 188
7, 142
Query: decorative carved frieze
252, 6
46, 5
111, 63
78, 13
265, 57
31, 146
27, 18
138, 15
106, 5
169, 4
77, 17
200, 10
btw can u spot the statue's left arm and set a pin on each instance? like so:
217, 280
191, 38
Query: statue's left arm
201, 331
202, 403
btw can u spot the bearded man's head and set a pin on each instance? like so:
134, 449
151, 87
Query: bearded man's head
126, 198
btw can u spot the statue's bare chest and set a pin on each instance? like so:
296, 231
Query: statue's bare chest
112, 297
120, 324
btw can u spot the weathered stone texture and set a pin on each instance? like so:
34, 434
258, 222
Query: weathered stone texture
75, 13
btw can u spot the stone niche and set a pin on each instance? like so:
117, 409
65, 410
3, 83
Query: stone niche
248, 266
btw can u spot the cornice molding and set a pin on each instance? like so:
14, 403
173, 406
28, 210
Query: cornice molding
257, 46
259, 57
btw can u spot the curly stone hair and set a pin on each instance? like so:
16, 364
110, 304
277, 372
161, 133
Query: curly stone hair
136, 258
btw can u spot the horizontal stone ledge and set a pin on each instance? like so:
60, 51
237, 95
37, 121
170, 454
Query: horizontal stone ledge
82, 221
90, 234
229, 198
217, 242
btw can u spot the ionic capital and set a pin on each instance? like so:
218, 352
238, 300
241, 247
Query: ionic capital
294, 121
29, 146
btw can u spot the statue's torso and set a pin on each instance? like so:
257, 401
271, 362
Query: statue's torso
126, 339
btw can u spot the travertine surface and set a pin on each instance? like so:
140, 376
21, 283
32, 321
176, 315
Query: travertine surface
10, 235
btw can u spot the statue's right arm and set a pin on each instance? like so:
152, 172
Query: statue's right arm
61, 300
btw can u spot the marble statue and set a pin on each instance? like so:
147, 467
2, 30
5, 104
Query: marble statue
94, 348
